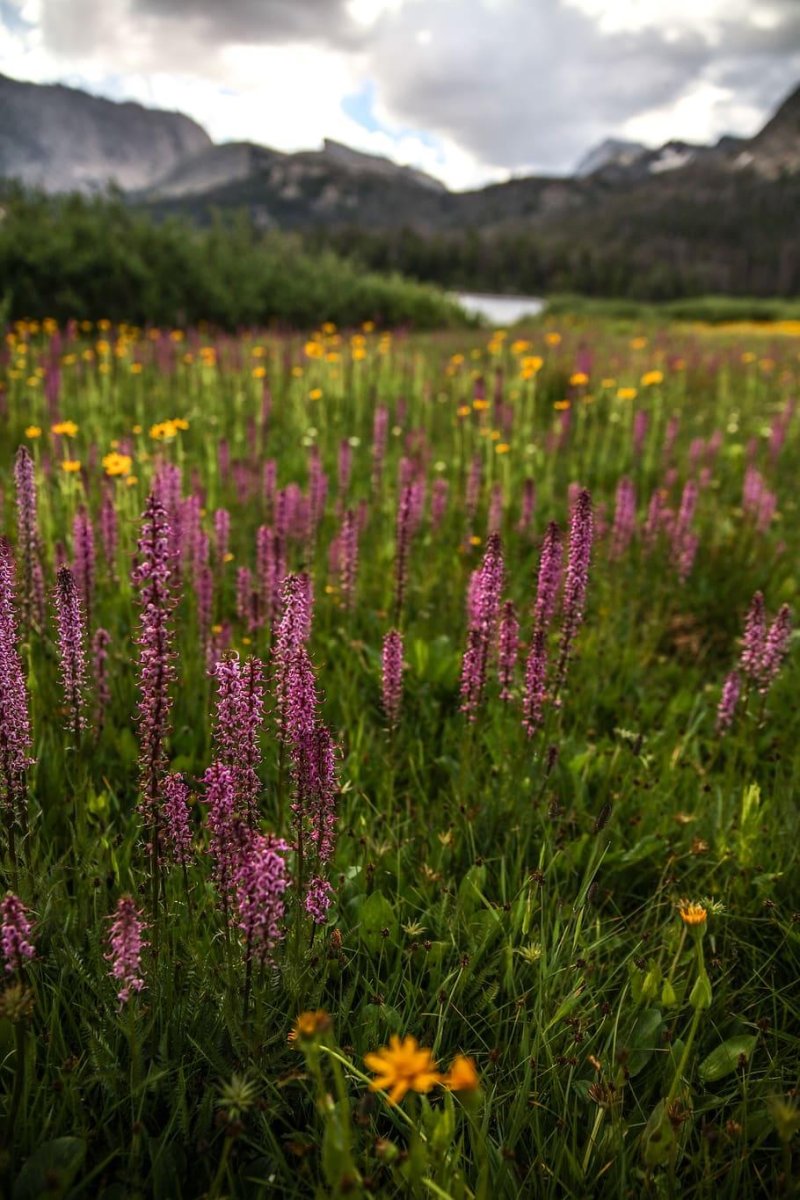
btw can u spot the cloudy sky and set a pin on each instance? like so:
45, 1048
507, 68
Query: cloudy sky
470, 90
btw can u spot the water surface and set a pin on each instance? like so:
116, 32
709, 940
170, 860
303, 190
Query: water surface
500, 310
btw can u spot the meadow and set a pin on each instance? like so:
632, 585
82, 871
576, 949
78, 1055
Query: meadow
398, 761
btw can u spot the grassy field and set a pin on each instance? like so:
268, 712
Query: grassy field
398, 758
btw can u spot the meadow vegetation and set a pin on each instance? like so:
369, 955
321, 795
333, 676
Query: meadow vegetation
398, 760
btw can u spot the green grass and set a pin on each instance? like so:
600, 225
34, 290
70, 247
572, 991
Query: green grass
488, 906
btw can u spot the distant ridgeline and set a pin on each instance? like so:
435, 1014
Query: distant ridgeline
682, 220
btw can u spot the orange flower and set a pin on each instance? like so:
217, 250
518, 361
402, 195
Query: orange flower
310, 1025
692, 913
462, 1076
403, 1066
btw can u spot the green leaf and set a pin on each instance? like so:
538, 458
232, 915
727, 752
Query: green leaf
376, 916
643, 1040
725, 1059
50, 1170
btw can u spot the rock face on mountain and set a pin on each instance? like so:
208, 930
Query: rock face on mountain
775, 151
612, 152
62, 139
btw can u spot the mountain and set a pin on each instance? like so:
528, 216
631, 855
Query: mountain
678, 219
612, 152
61, 139
776, 149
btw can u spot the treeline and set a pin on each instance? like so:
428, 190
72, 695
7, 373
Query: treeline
81, 257
656, 243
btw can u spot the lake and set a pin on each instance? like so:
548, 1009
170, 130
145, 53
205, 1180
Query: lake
500, 310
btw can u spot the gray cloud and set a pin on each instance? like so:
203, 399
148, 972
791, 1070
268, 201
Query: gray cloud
536, 84
261, 21
519, 84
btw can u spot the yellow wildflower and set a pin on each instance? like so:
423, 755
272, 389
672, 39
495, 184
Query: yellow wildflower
578, 378
626, 393
65, 428
71, 465
692, 913
652, 377
33, 431
402, 1066
310, 1025
462, 1076
117, 464
315, 394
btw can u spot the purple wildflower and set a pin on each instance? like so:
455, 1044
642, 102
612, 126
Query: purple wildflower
153, 576
348, 557
222, 533
403, 529
175, 819
480, 635
261, 880
32, 603
15, 728
237, 728
576, 579
728, 701
624, 517
100, 644
15, 933
108, 531
125, 945
528, 506
71, 648
83, 555
392, 674
776, 647
755, 632
439, 493
319, 899
507, 649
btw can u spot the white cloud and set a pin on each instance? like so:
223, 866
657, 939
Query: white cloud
468, 90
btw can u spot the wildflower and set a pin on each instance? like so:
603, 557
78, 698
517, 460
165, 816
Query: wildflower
15, 933
100, 644
776, 646
315, 394
577, 578
117, 464
310, 1025
392, 674
153, 576
84, 559
71, 648
28, 539
319, 898
651, 378
175, 810
348, 556
462, 1076
508, 648
578, 378
33, 431
692, 913
728, 701
626, 393
64, 428
126, 943
237, 726
15, 728
402, 1066
260, 881
754, 637
483, 621
71, 465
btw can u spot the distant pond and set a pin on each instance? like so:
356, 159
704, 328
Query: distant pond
500, 310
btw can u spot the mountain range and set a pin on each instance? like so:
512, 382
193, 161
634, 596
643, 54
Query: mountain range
726, 216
